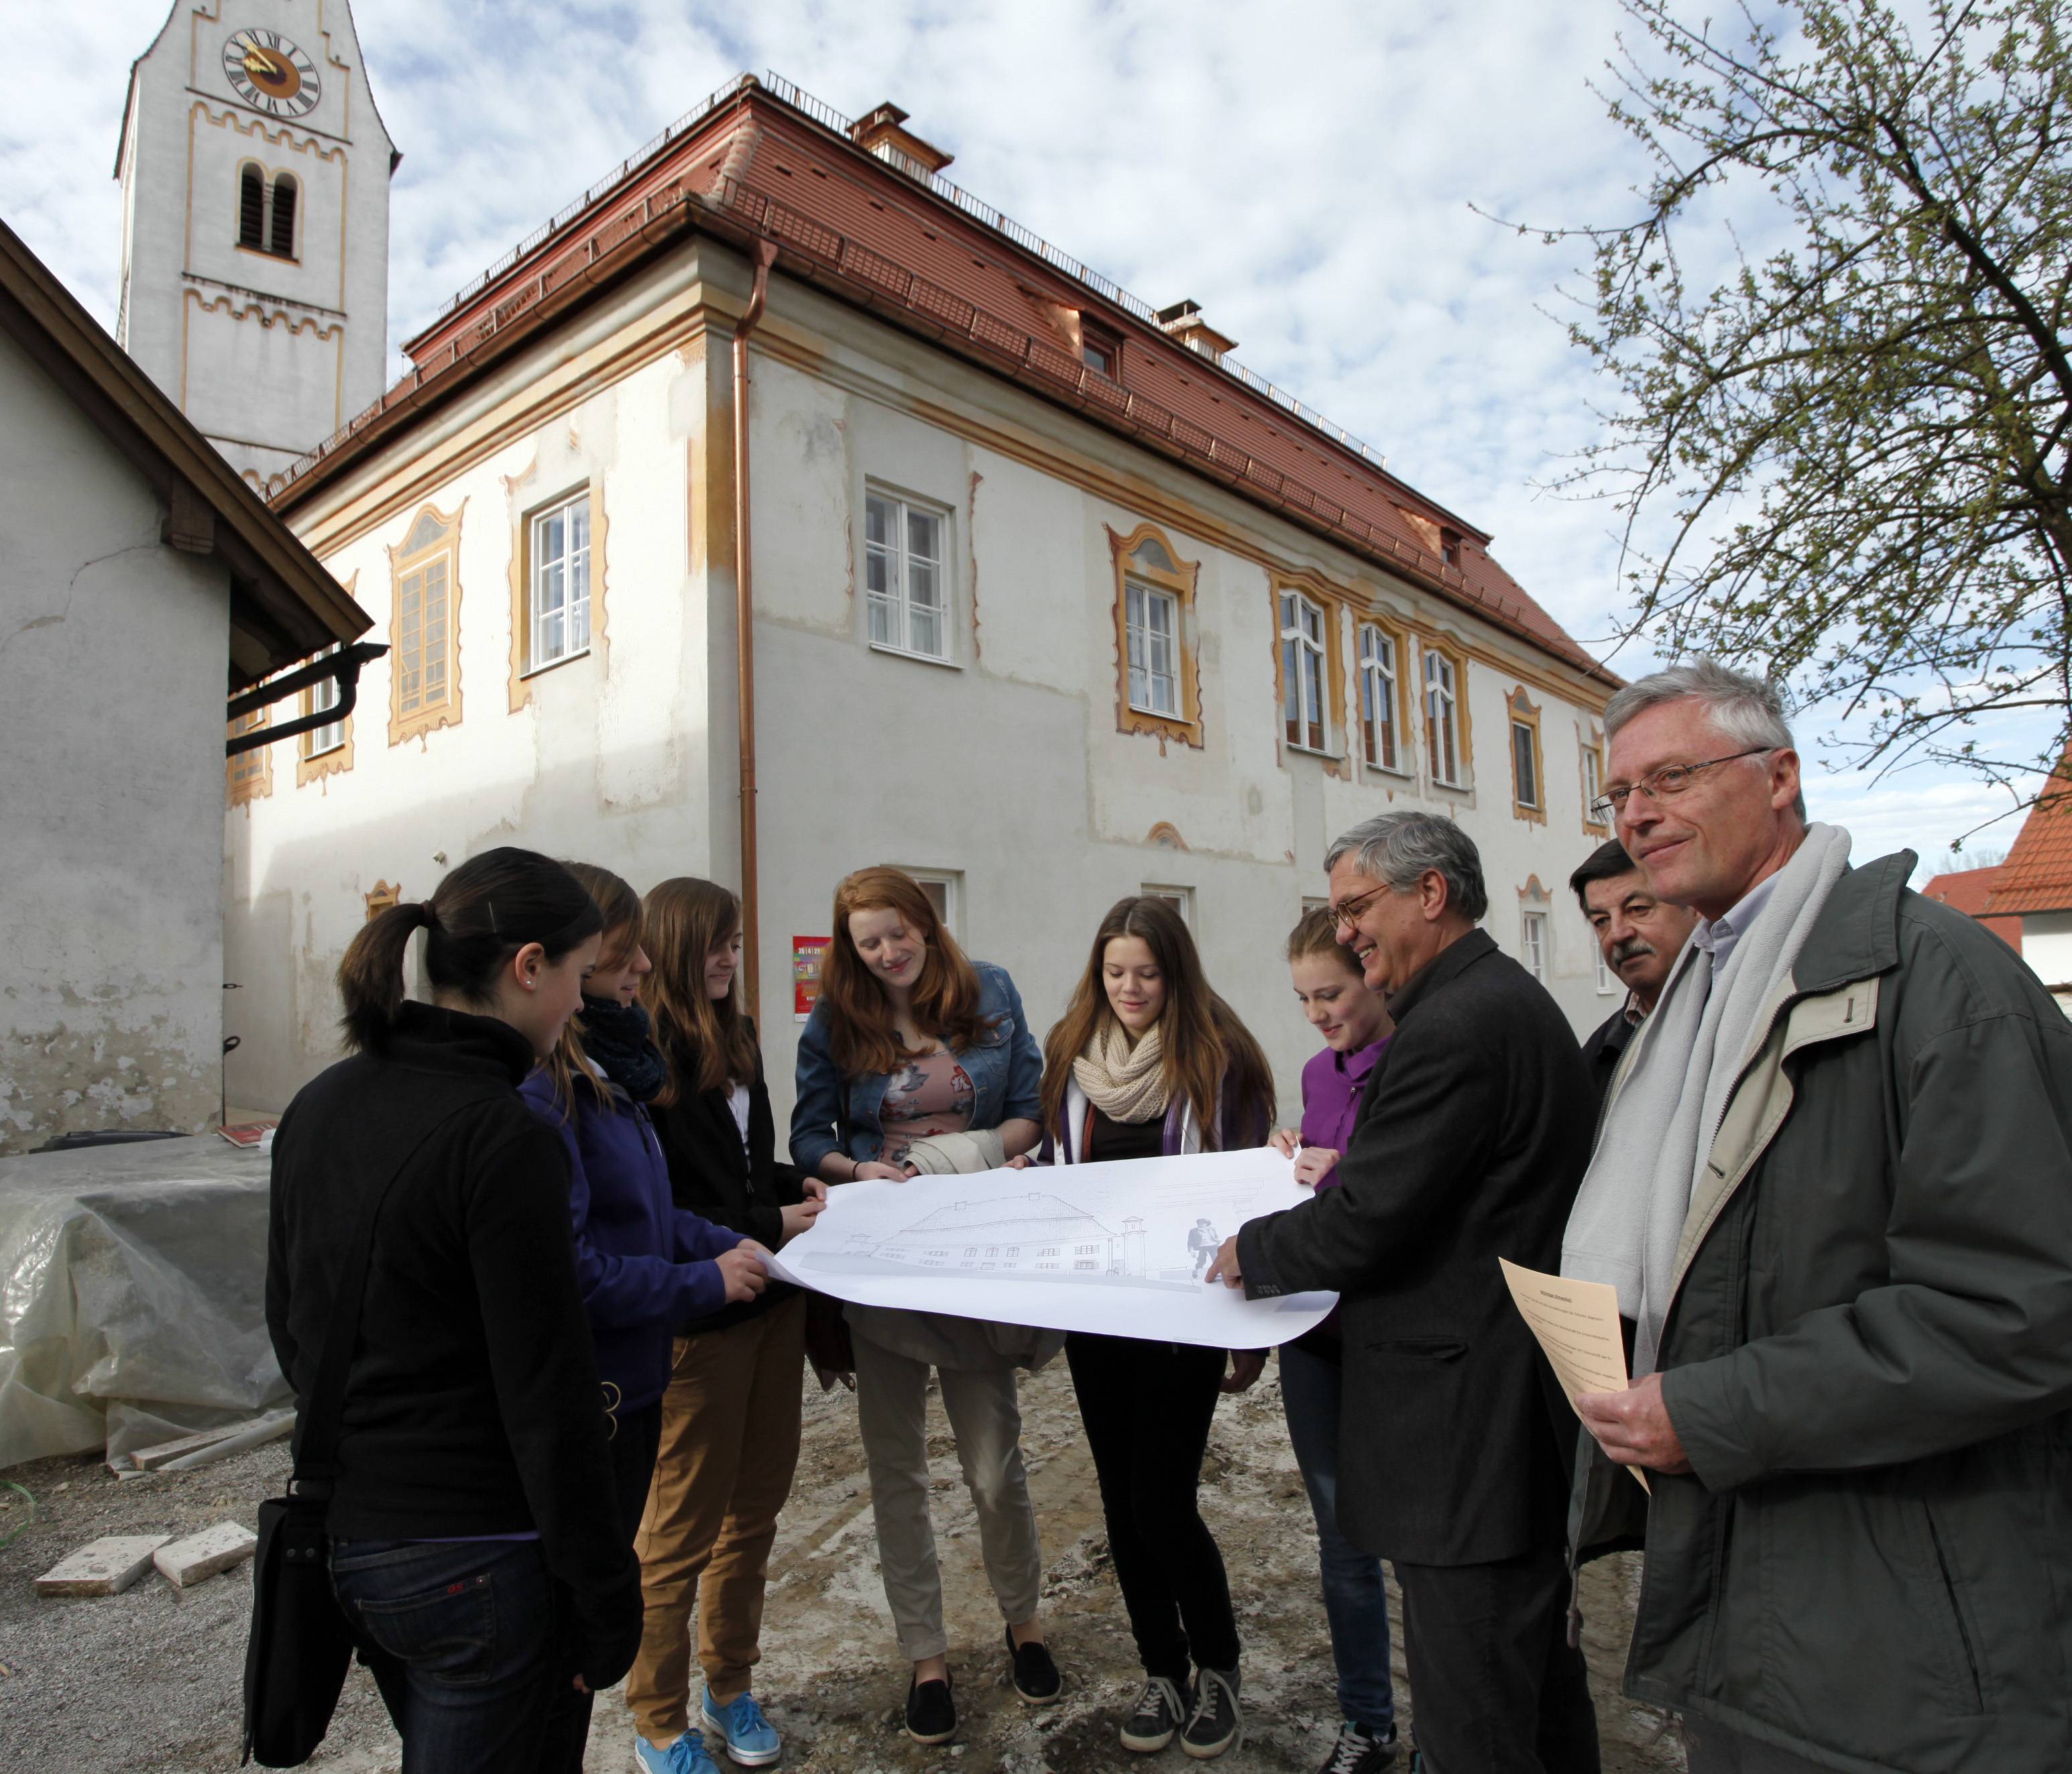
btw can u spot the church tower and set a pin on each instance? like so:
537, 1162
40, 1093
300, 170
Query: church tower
255, 175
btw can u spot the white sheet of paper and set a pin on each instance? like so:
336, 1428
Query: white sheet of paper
1120, 1248
1578, 1324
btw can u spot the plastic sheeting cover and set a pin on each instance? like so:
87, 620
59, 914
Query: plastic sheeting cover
132, 1296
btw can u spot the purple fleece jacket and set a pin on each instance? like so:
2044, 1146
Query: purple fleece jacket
1331, 1086
645, 1264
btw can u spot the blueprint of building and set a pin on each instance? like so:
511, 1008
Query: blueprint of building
1121, 1248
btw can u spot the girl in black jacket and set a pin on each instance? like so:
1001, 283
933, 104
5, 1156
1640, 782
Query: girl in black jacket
730, 1416
468, 1512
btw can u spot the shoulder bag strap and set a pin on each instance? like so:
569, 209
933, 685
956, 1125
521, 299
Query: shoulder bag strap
316, 1458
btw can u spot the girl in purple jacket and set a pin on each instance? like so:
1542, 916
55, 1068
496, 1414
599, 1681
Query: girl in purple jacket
1354, 1022
644, 1265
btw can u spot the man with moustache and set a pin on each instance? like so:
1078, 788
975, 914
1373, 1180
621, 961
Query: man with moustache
1641, 936
1835, 1197
1454, 1453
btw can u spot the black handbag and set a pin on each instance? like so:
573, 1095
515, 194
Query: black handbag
301, 1644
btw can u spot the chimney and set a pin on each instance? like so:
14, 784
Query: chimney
880, 132
1183, 321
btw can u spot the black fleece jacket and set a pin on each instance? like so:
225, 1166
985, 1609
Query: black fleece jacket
472, 1405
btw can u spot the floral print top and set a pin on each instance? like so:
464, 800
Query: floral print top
931, 1095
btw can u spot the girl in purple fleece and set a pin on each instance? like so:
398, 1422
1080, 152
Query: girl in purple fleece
644, 1265
1354, 1024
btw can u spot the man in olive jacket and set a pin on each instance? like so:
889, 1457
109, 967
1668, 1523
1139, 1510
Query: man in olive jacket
1859, 1417
1471, 1138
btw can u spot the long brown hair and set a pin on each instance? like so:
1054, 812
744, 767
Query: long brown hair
479, 916
859, 1013
706, 1041
1208, 1050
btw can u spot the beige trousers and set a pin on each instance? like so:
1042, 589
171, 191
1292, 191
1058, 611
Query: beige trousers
985, 1417
729, 1446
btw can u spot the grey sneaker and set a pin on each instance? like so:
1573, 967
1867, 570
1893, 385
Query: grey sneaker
1360, 1751
1156, 1717
1215, 1724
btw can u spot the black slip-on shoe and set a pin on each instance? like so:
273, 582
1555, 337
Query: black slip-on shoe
1360, 1751
1215, 1724
1035, 1676
931, 1714
1154, 1718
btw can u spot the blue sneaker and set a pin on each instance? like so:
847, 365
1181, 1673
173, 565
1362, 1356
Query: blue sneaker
686, 1756
751, 1740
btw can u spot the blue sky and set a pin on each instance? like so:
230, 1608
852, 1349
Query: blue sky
1304, 171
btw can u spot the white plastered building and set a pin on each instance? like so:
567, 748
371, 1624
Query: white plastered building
1051, 603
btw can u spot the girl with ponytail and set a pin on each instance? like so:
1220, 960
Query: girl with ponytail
644, 1266
474, 1448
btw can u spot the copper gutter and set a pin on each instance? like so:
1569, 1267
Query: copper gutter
765, 253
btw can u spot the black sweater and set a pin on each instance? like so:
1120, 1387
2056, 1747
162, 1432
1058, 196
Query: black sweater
472, 1405
710, 1174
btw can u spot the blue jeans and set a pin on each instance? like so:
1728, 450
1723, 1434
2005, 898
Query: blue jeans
1355, 1604
460, 1637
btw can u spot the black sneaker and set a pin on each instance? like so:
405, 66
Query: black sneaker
1215, 1724
1360, 1751
1035, 1676
1156, 1717
931, 1714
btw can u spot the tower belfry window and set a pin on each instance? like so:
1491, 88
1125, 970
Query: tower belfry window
280, 238
252, 207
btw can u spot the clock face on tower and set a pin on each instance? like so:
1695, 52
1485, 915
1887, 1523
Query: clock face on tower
270, 74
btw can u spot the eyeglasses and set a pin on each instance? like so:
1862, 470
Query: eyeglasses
1664, 784
1344, 917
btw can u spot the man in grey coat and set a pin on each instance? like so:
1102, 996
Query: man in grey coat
1835, 1191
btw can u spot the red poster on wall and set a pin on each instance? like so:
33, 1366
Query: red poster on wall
806, 954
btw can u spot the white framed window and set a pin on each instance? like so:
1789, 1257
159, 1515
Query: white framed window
1532, 944
1378, 697
1181, 899
1152, 618
1525, 762
1593, 781
1303, 652
903, 576
322, 696
1442, 717
944, 887
559, 613
1606, 981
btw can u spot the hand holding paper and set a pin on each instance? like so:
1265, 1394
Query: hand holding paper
1578, 1324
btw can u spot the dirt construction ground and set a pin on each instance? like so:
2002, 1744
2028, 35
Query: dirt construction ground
148, 1680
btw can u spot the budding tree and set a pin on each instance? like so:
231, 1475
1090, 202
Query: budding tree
1848, 459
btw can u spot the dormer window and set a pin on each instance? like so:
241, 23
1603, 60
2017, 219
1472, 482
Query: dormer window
1101, 352
1449, 547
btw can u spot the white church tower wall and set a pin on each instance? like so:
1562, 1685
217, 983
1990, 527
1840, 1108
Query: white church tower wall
255, 175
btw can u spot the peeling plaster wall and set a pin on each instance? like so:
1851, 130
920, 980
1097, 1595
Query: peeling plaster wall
112, 651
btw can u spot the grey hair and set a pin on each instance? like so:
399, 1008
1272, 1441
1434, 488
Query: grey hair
1398, 848
1746, 710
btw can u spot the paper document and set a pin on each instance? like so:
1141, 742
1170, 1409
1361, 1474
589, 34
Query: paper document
1123, 1249
1578, 1324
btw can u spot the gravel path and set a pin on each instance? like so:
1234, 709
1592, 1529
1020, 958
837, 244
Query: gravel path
149, 1679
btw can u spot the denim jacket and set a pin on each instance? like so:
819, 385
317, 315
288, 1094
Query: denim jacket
1004, 1065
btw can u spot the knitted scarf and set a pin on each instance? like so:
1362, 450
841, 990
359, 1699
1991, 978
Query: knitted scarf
616, 1036
1125, 1083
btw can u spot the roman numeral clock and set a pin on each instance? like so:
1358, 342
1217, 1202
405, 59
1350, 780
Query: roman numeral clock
270, 74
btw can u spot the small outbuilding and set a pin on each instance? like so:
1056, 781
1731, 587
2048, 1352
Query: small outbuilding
143, 580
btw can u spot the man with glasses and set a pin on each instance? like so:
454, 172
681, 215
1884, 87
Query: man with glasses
1470, 1137
1833, 1188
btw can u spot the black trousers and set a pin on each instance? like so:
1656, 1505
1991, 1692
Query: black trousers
635, 1443
1147, 1408
1495, 1687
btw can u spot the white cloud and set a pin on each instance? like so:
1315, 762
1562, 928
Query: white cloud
1304, 170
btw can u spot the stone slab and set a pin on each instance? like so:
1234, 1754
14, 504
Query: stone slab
106, 1566
200, 1556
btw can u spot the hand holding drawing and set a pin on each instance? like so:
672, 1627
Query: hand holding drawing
1633, 1426
796, 1219
873, 1172
1225, 1269
742, 1269
1313, 1164
1286, 1141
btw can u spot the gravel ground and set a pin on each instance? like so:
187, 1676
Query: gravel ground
149, 1679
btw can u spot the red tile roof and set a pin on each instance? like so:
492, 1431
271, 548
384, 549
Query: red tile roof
1966, 890
2037, 874
930, 259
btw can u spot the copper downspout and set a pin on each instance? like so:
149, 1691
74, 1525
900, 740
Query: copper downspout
744, 625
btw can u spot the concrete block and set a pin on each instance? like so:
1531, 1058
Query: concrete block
188, 1561
104, 1567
